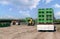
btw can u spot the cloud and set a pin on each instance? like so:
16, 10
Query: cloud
4, 2
47, 1
56, 6
27, 3
22, 3
6, 17
24, 13
57, 14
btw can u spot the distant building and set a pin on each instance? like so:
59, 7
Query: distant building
45, 16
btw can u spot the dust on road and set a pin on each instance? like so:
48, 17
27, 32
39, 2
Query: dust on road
26, 32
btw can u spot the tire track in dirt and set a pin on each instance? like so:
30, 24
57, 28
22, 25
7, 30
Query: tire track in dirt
57, 35
26, 34
8, 34
48, 35
41, 35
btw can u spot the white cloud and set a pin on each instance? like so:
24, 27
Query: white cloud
6, 17
24, 13
47, 1
56, 6
22, 3
57, 14
34, 4
4, 2
27, 3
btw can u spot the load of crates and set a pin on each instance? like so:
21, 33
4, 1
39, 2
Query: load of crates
4, 23
45, 19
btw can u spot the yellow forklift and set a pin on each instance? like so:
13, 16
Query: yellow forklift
31, 22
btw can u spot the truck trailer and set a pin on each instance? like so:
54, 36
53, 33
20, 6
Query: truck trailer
45, 21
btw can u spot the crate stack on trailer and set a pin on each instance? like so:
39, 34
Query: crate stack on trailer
4, 23
45, 16
45, 19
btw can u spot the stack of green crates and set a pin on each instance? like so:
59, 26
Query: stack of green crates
5, 24
45, 15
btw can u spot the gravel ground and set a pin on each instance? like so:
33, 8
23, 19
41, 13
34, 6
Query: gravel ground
26, 32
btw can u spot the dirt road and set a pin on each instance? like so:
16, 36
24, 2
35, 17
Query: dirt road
26, 32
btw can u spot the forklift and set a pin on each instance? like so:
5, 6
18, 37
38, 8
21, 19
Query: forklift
31, 22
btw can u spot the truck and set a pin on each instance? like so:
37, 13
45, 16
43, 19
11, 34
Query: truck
45, 21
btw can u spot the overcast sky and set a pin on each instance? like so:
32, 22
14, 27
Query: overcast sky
27, 8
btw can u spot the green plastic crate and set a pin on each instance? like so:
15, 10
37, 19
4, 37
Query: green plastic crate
4, 24
44, 14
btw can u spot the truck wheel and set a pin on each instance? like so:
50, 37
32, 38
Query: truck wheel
54, 28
